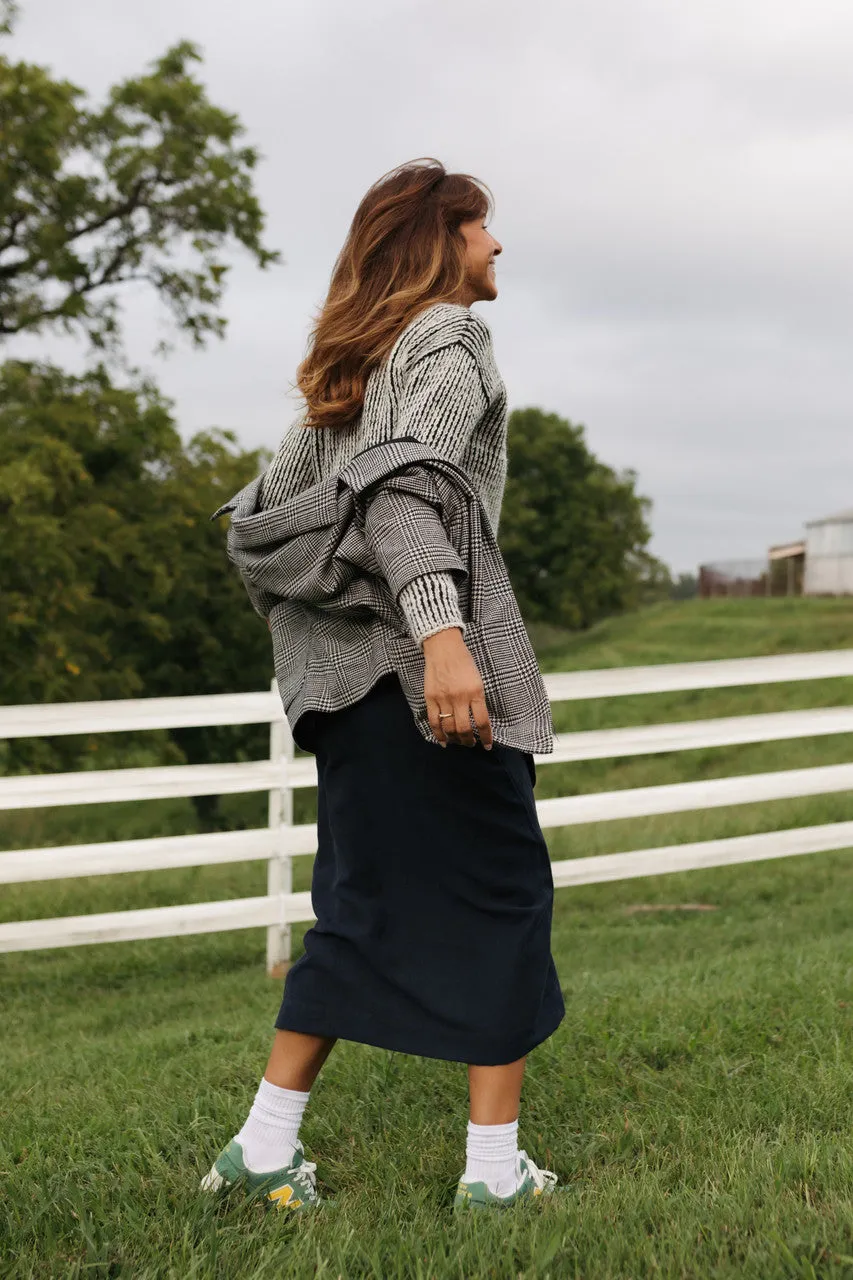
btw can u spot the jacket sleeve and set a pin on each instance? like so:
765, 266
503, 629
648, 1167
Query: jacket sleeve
441, 403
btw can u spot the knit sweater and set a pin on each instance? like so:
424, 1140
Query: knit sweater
440, 384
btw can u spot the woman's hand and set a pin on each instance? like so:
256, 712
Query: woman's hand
453, 683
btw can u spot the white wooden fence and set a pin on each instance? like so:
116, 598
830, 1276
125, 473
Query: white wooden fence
280, 841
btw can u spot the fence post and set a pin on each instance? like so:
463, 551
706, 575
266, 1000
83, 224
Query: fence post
280, 866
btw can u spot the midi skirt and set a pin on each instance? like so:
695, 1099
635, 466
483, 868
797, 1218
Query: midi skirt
432, 890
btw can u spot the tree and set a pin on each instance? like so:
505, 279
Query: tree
686, 587
152, 186
115, 582
573, 532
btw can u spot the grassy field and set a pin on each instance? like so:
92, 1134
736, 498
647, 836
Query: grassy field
697, 1100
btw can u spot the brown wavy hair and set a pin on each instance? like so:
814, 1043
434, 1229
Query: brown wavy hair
403, 252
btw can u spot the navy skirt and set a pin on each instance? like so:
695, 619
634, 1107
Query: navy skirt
433, 892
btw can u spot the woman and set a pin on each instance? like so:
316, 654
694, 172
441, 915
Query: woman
432, 884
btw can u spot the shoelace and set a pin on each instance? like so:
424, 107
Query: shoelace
308, 1167
541, 1177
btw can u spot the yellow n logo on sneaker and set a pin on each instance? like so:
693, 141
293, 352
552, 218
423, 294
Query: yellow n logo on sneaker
283, 1197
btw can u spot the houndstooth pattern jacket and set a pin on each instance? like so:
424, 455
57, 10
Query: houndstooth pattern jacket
327, 565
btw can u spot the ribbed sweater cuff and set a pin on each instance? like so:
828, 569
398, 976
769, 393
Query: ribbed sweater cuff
430, 604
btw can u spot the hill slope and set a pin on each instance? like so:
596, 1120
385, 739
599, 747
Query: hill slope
698, 630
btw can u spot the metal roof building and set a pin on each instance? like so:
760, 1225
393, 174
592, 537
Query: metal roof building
786, 563
829, 556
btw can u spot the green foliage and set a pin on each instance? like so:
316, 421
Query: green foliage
152, 186
8, 13
685, 588
573, 532
115, 582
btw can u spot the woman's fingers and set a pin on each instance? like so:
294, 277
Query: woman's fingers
482, 721
438, 726
462, 717
447, 728
466, 709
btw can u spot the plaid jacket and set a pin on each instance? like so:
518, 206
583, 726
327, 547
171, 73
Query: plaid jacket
326, 566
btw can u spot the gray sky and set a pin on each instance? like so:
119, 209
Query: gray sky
674, 194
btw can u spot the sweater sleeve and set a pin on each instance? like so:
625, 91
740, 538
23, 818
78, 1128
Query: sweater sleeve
442, 401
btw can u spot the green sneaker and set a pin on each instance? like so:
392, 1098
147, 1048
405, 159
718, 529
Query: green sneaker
293, 1187
535, 1182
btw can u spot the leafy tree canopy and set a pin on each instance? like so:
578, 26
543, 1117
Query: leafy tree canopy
686, 587
573, 532
153, 185
115, 582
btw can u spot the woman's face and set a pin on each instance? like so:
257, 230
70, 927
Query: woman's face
481, 249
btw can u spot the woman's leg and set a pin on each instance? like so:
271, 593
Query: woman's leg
495, 1092
492, 1145
270, 1136
295, 1059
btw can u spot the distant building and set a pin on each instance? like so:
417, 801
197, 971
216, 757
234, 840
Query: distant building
819, 565
786, 569
829, 556
733, 578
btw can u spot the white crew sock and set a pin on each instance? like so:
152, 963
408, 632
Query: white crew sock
268, 1137
492, 1156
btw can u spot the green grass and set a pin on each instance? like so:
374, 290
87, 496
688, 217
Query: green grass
697, 1100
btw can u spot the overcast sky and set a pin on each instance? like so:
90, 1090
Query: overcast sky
673, 185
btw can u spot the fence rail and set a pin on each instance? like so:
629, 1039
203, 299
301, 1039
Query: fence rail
283, 773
